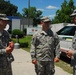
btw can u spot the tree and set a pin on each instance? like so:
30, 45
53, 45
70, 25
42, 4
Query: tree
7, 8
32, 12
63, 15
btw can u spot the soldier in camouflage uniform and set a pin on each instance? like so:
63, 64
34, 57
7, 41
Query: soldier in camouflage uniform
6, 47
72, 53
45, 49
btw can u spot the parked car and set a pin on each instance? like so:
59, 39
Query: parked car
65, 35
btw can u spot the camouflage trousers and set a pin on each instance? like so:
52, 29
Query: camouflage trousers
73, 64
45, 68
5, 66
74, 70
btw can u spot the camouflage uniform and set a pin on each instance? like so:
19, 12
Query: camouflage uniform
44, 47
5, 59
73, 59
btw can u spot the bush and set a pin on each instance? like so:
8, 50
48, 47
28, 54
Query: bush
24, 44
17, 32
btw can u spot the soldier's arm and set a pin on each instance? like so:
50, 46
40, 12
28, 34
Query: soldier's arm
2, 51
57, 46
74, 45
9, 43
33, 48
10, 47
72, 52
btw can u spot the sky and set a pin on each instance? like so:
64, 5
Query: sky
48, 7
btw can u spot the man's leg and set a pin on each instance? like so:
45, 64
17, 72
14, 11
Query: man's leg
50, 68
74, 70
40, 68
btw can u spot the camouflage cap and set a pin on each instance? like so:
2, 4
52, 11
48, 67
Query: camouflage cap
74, 13
46, 19
3, 17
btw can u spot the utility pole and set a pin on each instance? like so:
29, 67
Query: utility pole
28, 12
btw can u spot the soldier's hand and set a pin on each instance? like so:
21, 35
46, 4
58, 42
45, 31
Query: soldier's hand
56, 59
69, 53
34, 61
8, 49
11, 44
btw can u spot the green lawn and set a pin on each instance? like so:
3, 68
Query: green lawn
27, 39
62, 64
65, 66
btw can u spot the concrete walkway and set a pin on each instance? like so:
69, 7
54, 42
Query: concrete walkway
23, 66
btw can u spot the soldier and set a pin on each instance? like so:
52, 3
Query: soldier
72, 53
45, 49
6, 47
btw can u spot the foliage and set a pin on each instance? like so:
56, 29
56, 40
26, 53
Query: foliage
23, 45
32, 12
24, 42
17, 32
63, 15
6, 4
9, 9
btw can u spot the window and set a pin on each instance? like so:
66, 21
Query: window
67, 30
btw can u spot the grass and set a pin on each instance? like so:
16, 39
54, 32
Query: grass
66, 67
24, 39
27, 39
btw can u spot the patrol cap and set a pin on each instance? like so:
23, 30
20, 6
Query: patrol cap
74, 13
45, 19
3, 17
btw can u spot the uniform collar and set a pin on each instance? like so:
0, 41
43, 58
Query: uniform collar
43, 32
